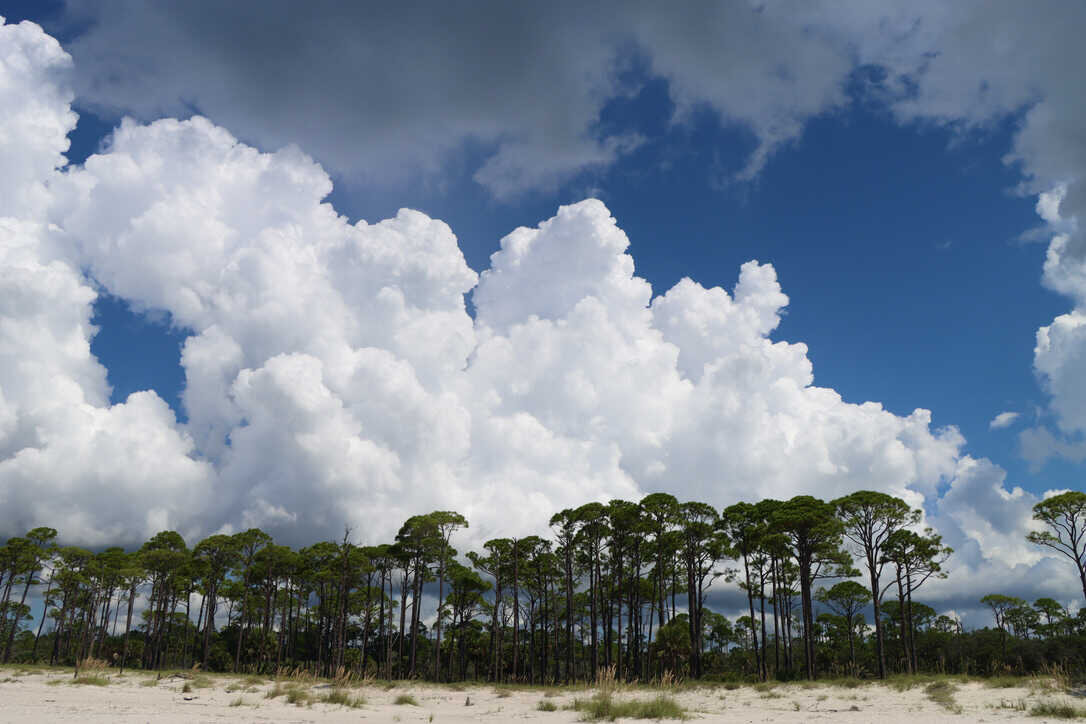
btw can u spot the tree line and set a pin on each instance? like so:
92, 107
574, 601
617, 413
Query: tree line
620, 585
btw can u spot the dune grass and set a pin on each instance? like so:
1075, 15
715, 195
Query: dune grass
942, 693
90, 680
343, 698
297, 695
1058, 710
405, 700
604, 707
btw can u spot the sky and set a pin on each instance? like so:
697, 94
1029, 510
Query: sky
307, 267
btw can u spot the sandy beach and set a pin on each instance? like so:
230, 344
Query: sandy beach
39, 695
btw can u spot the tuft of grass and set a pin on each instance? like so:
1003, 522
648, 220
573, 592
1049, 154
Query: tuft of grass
187, 688
202, 682
342, 698
942, 693
1058, 710
1003, 682
545, 705
604, 707
405, 700
149, 682
277, 690
92, 664
54, 682
91, 680
297, 696
238, 702
503, 693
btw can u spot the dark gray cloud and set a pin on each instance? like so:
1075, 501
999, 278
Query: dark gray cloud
383, 93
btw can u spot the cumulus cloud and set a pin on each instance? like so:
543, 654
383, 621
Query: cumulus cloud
334, 376
516, 94
1002, 420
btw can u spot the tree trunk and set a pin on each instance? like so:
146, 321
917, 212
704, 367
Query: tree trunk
18, 614
128, 623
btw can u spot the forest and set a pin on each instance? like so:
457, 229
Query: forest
828, 588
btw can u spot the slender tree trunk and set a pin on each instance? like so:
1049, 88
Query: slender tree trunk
416, 607
209, 623
516, 610
569, 617
761, 598
403, 620
901, 618
44, 615
128, 623
876, 596
750, 605
17, 615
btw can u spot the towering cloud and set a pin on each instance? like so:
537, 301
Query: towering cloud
334, 376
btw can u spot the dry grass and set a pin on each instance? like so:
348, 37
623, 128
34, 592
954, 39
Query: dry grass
604, 707
340, 697
297, 695
1058, 710
90, 680
942, 693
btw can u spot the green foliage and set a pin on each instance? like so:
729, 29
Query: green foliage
1065, 517
405, 700
532, 610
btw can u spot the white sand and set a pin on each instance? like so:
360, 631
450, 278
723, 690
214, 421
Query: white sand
35, 697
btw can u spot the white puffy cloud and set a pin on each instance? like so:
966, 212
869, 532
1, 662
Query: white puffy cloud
334, 376
1003, 419
35, 93
517, 94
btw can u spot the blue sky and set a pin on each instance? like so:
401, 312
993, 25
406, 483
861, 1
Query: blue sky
883, 165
